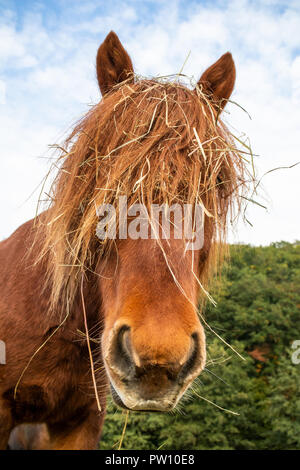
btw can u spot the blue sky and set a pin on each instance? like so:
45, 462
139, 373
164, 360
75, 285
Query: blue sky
47, 81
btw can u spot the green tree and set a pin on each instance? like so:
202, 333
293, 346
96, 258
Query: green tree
257, 313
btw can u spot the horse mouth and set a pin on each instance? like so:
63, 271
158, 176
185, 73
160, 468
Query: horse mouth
150, 406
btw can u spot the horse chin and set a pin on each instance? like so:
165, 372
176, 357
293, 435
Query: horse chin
145, 406
116, 398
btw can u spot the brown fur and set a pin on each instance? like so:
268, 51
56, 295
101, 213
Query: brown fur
113, 63
213, 81
57, 388
140, 295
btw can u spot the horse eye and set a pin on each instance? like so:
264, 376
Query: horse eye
219, 179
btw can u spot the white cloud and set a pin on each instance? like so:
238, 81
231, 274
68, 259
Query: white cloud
47, 63
2, 92
295, 76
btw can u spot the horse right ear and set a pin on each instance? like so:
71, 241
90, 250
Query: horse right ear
113, 63
218, 81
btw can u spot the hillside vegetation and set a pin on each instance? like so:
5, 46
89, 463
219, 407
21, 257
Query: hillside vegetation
258, 314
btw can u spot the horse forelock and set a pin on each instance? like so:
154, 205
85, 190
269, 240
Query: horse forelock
150, 141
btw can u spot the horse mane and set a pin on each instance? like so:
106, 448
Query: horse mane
141, 141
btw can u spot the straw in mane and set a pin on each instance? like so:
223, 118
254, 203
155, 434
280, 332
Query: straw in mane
141, 141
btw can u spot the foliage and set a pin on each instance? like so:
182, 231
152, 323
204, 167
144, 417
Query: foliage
257, 314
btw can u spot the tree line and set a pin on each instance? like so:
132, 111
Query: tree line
249, 403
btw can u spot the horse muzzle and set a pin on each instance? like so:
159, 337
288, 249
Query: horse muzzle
140, 382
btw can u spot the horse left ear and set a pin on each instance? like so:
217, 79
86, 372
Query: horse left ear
218, 80
113, 63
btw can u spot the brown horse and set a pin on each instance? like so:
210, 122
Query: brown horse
77, 313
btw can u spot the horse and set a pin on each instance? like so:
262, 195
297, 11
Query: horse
80, 315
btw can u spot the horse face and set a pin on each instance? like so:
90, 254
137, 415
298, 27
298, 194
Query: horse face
153, 343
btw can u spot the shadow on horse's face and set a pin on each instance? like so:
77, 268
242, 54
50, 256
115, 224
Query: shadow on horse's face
153, 343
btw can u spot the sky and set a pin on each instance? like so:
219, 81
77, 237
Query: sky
48, 81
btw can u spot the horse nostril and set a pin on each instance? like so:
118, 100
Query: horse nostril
193, 358
122, 350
